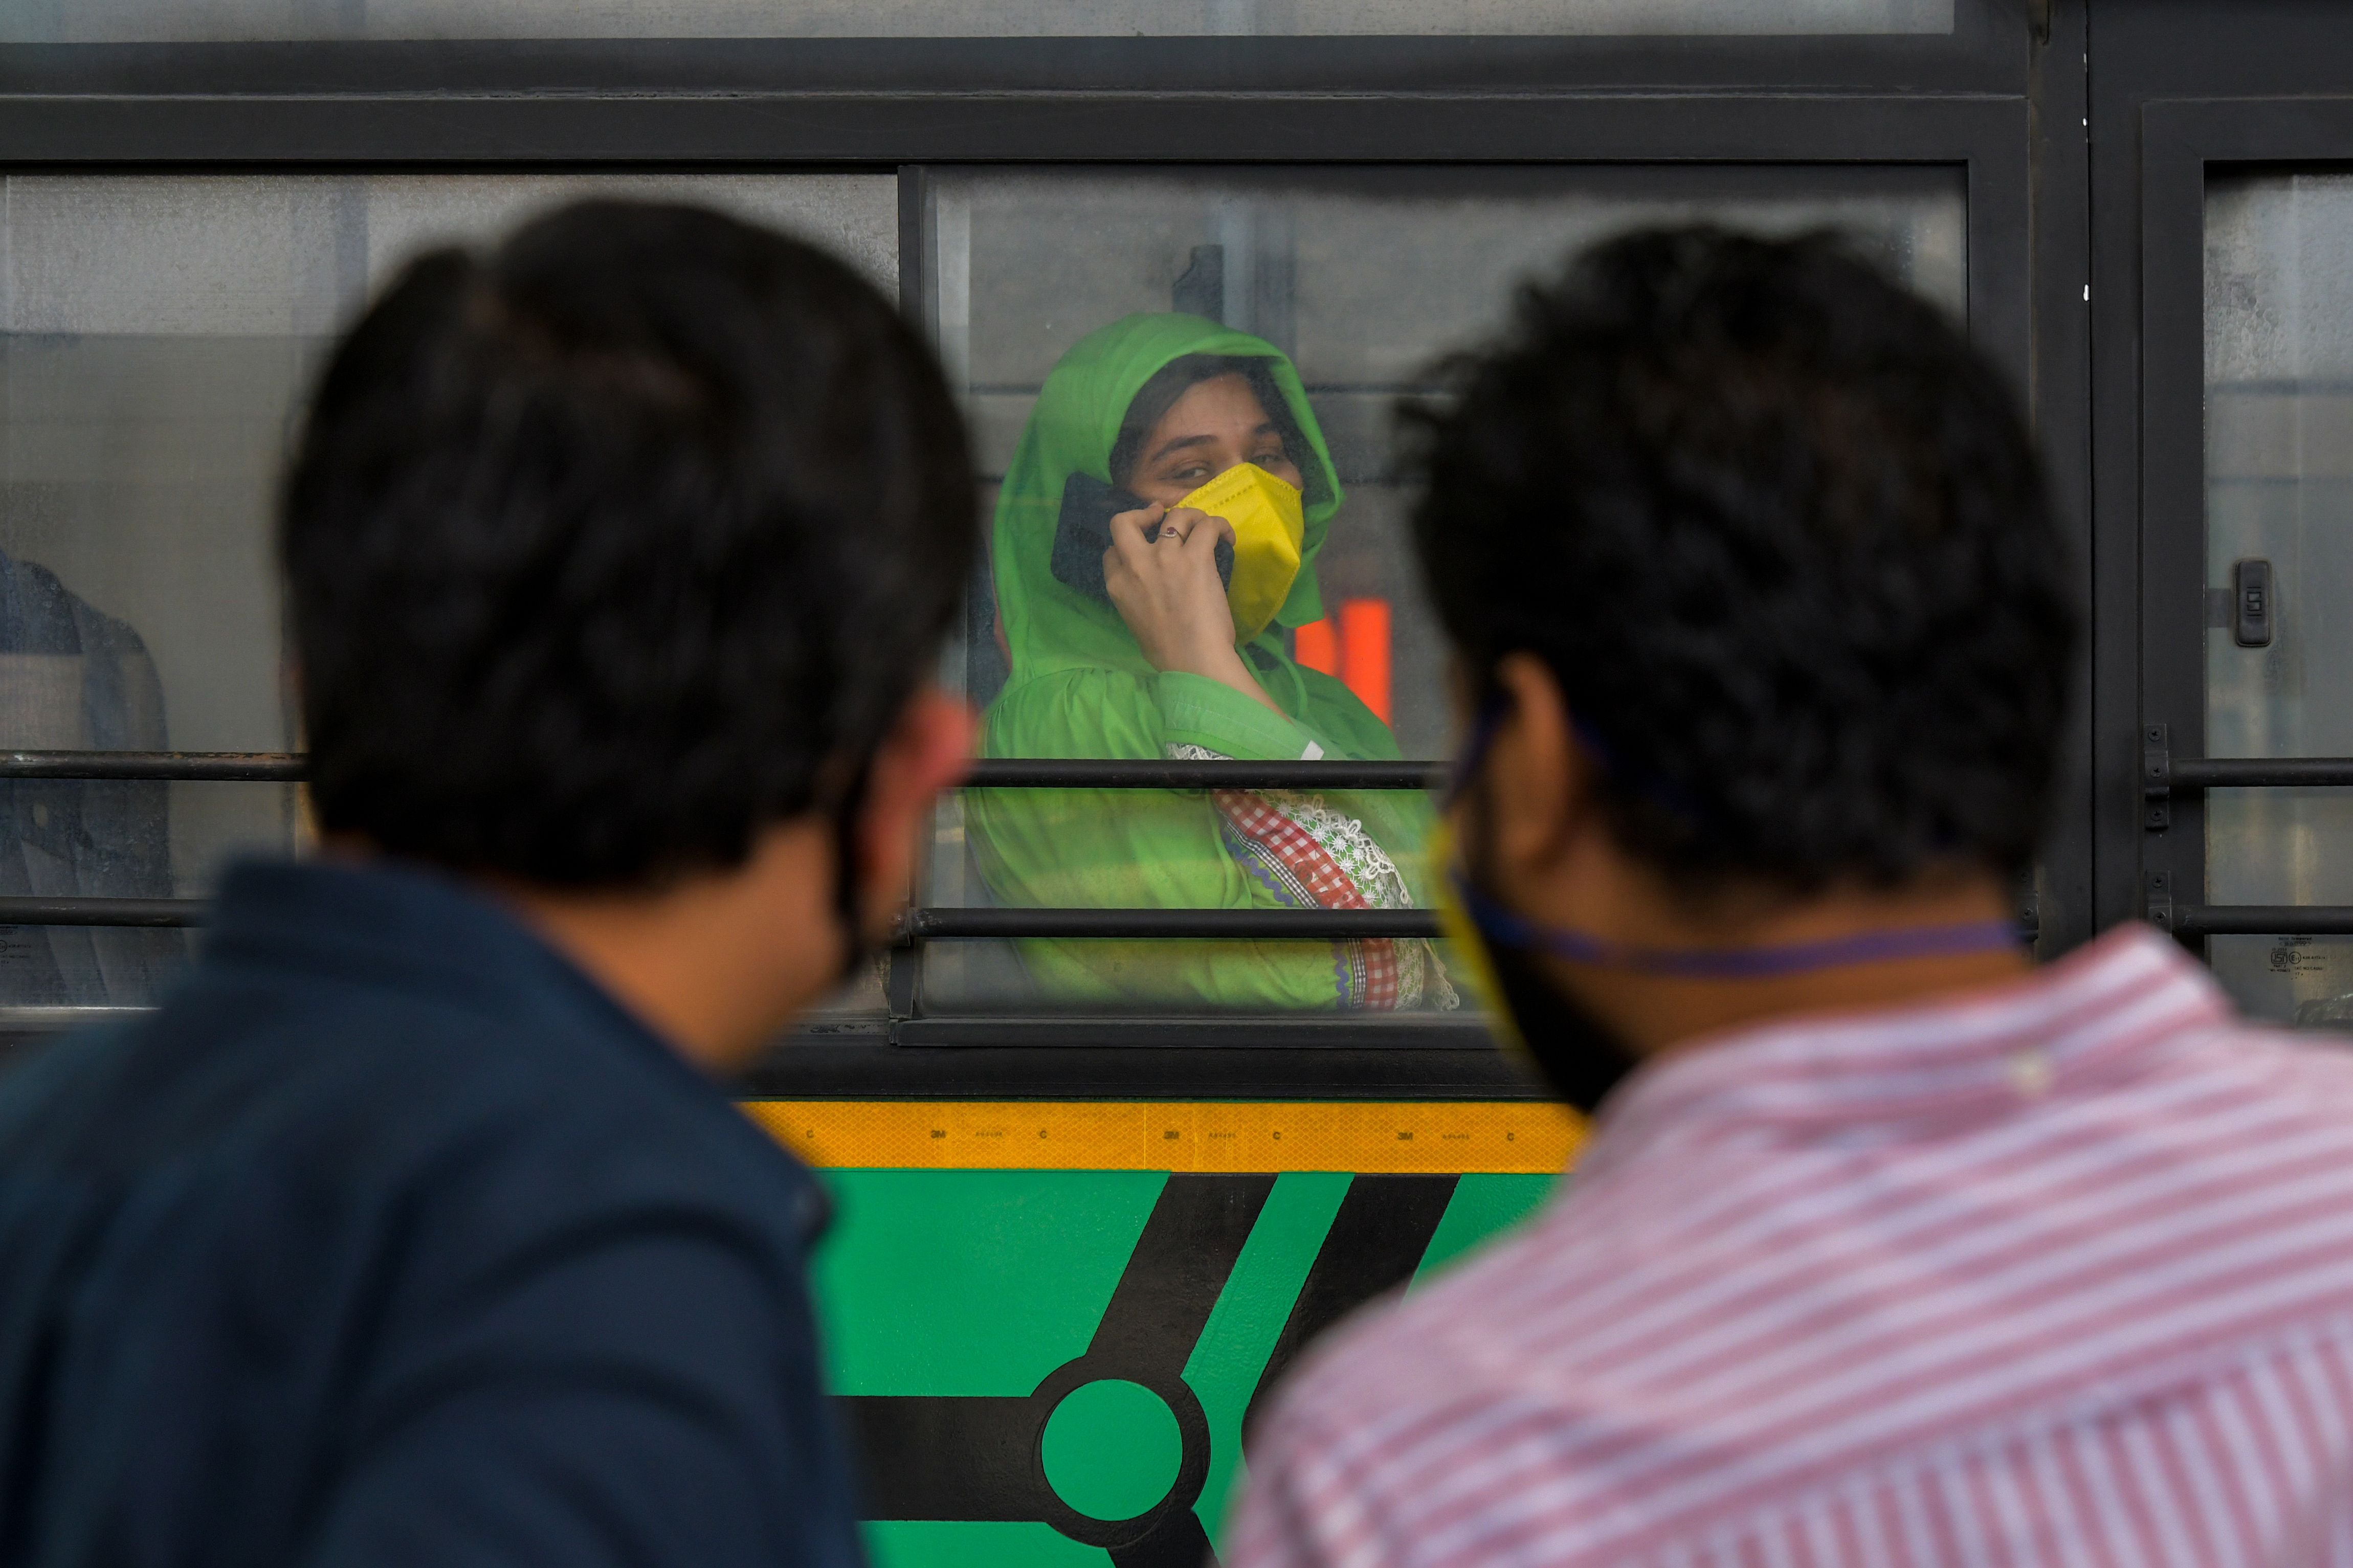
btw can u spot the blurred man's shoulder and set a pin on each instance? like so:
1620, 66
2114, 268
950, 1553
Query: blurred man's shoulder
2209, 1133
354, 1093
2298, 1062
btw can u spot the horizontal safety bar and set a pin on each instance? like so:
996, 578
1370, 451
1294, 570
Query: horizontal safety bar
990, 772
1345, 1031
56, 1019
919, 925
2255, 919
199, 767
2163, 775
1305, 925
1464, 1031
1087, 772
1302, 925
950, 924
35, 911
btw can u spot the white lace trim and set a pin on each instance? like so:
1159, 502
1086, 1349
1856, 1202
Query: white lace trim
1345, 838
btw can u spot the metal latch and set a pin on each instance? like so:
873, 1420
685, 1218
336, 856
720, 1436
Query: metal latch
2251, 603
2249, 608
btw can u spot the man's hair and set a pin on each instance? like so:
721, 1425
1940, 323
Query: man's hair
611, 549
1780, 535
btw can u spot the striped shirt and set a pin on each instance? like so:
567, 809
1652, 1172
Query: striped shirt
2054, 1272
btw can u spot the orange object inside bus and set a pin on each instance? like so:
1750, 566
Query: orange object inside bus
1354, 646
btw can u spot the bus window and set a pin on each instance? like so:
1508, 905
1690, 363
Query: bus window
1238, 345
155, 333
2279, 391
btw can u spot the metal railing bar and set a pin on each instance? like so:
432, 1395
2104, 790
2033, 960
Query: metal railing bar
2247, 773
919, 926
1408, 1032
37, 911
53, 1020
2261, 920
990, 772
1466, 1030
1087, 772
1305, 925
922, 925
193, 767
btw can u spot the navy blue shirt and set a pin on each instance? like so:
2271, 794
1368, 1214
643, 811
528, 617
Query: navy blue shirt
391, 1239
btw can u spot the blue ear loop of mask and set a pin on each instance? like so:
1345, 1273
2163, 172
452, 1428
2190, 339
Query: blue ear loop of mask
1506, 928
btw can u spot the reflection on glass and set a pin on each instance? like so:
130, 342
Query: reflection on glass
176, 21
2279, 385
155, 332
1124, 340
73, 679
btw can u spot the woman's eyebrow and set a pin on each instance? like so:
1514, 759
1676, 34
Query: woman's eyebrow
1181, 442
1178, 445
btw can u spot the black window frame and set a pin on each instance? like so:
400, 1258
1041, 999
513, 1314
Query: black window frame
2184, 90
1998, 97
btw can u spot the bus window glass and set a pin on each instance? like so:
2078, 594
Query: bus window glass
182, 21
2279, 465
1237, 345
155, 333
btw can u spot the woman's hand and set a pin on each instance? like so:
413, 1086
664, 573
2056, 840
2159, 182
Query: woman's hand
1167, 588
1167, 591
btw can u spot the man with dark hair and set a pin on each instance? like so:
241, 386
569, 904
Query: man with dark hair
1887, 1249
413, 1228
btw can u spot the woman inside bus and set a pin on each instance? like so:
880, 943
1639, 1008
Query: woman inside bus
1208, 429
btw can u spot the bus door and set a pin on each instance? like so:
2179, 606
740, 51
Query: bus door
2223, 141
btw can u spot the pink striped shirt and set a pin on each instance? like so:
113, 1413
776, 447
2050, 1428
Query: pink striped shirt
2056, 1272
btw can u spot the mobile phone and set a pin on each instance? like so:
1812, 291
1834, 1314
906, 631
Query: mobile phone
1083, 532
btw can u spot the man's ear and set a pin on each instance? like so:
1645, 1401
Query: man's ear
929, 748
1537, 782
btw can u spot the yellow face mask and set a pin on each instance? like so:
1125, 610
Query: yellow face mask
1270, 531
1473, 965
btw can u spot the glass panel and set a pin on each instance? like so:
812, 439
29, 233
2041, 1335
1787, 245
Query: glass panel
1339, 289
178, 21
2279, 387
154, 334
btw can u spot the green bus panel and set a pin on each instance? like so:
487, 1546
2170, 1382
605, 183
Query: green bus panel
1050, 1367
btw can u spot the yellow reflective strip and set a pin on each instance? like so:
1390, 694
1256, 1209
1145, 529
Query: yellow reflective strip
1479, 1137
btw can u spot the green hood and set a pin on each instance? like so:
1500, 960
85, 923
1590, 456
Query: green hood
1049, 627
1081, 688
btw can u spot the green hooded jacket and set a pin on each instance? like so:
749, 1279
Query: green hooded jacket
1080, 687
